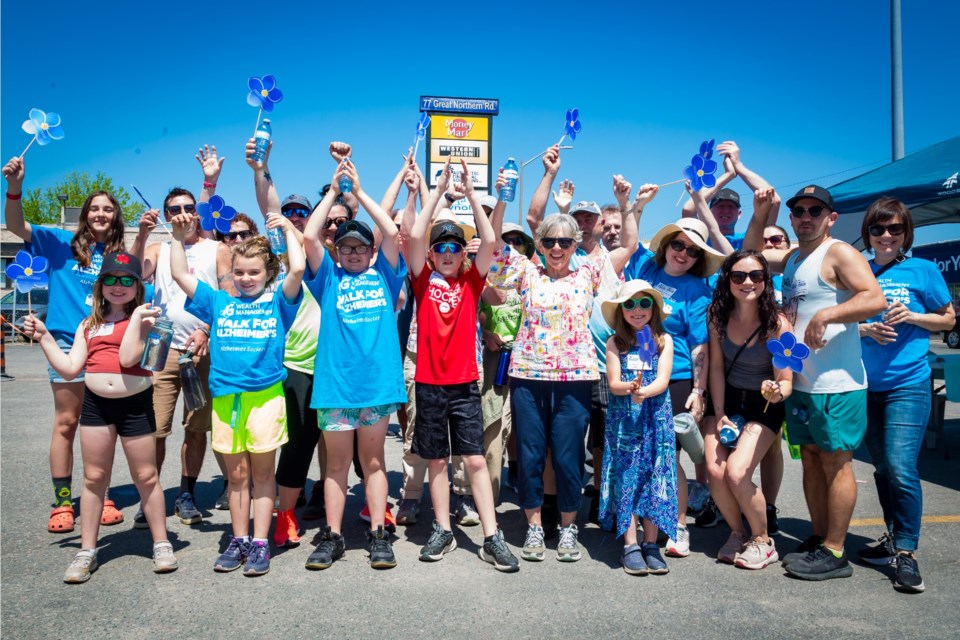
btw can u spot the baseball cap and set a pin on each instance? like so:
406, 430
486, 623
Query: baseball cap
447, 231
726, 194
121, 262
298, 200
815, 192
584, 205
488, 202
354, 229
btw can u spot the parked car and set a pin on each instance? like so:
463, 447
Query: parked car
15, 313
952, 337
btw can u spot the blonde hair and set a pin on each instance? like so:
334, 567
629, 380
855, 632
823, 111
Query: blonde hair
258, 247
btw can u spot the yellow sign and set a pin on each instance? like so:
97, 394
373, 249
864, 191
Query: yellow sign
454, 127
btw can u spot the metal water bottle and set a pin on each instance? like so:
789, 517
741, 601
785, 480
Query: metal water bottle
158, 345
503, 365
194, 397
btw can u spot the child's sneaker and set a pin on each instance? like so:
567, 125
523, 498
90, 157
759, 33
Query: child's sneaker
330, 549
381, 550
495, 552
679, 548
233, 556
83, 564
651, 555
258, 559
756, 554
287, 530
467, 515
163, 559
632, 561
567, 548
440, 543
408, 511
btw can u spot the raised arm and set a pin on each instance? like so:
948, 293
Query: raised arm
420, 231
211, 166
538, 206
389, 200
266, 191
296, 262
717, 240
134, 339
312, 233
629, 233
729, 173
496, 216
752, 179
753, 239
14, 171
381, 218
488, 241
179, 268
565, 197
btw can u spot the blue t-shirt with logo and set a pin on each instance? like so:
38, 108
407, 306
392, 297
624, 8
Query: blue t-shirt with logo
599, 328
71, 286
687, 298
247, 337
919, 286
358, 360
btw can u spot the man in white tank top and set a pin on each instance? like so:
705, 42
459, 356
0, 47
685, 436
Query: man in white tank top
828, 288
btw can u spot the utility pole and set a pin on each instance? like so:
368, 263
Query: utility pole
896, 80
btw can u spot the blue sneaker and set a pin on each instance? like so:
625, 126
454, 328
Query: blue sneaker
651, 556
186, 509
258, 559
632, 561
233, 556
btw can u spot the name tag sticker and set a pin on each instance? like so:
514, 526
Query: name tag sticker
636, 363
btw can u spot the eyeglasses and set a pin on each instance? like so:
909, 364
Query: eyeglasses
517, 241
876, 230
187, 208
334, 222
238, 235
300, 213
775, 239
631, 304
548, 243
679, 247
815, 211
347, 249
447, 247
739, 277
125, 281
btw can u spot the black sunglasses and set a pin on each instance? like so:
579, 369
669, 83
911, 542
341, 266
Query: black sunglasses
898, 229
814, 211
126, 281
565, 243
299, 212
631, 304
692, 251
187, 208
739, 277
238, 235
517, 241
334, 222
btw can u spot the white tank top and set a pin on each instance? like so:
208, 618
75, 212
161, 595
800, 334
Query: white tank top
202, 261
837, 367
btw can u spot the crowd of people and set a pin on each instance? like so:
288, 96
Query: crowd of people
508, 356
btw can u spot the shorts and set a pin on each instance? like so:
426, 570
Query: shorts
351, 419
53, 375
832, 421
750, 405
132, 415
599, 398
166, 390
449, 421
253, 421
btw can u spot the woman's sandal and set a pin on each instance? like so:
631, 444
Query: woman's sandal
61, 520
111, 515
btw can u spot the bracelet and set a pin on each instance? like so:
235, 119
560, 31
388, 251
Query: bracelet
699, 392
449, 198
14, 196
205, 331
209, 185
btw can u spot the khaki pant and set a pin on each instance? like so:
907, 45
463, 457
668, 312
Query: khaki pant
414, 467
166, 390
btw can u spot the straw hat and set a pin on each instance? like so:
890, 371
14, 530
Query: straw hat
628, 290
697, 232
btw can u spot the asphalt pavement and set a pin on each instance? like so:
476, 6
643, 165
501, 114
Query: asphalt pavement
461, 596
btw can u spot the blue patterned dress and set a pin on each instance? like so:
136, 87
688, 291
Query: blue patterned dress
639, 474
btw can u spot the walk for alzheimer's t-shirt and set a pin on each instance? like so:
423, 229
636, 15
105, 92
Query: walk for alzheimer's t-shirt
447, 326
358, 358
247, 337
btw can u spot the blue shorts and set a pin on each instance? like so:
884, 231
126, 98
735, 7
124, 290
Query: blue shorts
53, 375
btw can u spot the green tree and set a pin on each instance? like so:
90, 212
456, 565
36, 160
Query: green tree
41, 206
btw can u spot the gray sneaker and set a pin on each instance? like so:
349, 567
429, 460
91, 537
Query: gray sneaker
495, 552
163, 559
534, 549
83, 564
223, 500
467, 515
567, 548
408, 511
140, 520
440, 543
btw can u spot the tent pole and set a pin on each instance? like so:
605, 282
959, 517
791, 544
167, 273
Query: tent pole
896, 80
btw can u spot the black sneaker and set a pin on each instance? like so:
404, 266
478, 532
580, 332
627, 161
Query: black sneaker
773, 523
908, 574
330, 549
806, 547
380, 549
880, 555
821, 565
440, 543
495, 552
709, 517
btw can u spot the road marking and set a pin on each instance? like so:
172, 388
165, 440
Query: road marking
877, 522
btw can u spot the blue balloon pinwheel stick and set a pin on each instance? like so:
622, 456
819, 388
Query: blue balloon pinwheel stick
646, 344
263, 94
571, 126
44, 127
787, 353
163, 225
700, 170
28, 272
422, 125
216, 215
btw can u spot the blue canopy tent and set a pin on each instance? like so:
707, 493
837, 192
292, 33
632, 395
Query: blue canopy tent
927, 181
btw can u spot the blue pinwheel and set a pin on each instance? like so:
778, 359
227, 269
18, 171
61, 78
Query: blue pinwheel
422, 126
216, 215
44, 127
700, 172
571, 126
28, 272
787, 352
263, 92
645, 344
706, 149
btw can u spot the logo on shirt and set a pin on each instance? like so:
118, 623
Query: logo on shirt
445, 295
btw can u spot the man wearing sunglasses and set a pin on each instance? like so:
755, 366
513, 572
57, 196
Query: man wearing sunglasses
828, 288
297, 209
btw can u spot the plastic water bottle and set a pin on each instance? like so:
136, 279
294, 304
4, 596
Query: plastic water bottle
729, 434
157, 345
194, 397
512, 173
278, 240
262, 140
345, 184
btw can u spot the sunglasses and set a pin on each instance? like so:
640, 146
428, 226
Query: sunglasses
739, 277
300, 213
238, 235
631, 304
187, 208
876, 230
516, 241
360, 249
679, 247
775, 239
334, 222
565, 243
815, 211
447, 247
125, 281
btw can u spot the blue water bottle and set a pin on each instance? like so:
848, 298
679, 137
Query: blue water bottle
729, 434
503, 365
262, 140
344, 183
512, 173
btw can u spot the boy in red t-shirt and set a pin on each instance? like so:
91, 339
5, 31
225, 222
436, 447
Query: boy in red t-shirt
447, 291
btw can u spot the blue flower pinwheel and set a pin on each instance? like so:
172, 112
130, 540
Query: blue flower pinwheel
263, 92
216, 215
422, 125
646, 344
706, 149
572, 125
700, 173
787, 352
28, 272
44, 126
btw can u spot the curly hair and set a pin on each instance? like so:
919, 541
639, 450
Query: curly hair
83, 238
258, 247
723, 301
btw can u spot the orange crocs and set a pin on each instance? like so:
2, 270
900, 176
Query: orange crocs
111, 515
61, 520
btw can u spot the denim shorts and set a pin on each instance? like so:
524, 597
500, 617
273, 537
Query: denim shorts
53, 375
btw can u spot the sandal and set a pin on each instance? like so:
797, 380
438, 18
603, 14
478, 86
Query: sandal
111, 515
61, 520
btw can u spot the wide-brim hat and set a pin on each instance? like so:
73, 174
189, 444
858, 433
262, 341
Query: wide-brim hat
439, 230
121, 262
510, 227
627, 290
696, 230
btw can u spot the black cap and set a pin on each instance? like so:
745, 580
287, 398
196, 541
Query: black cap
354, 229
726, 194
298, 200
815, 192
121, 262
447, 231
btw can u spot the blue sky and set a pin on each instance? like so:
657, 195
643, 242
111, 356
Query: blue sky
803, 88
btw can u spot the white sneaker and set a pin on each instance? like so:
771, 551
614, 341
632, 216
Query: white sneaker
163, 559
83, 564
756, 555
679, 548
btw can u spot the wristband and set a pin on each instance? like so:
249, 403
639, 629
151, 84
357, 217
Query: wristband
14, 196
209, 185
449, 198
699, 392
